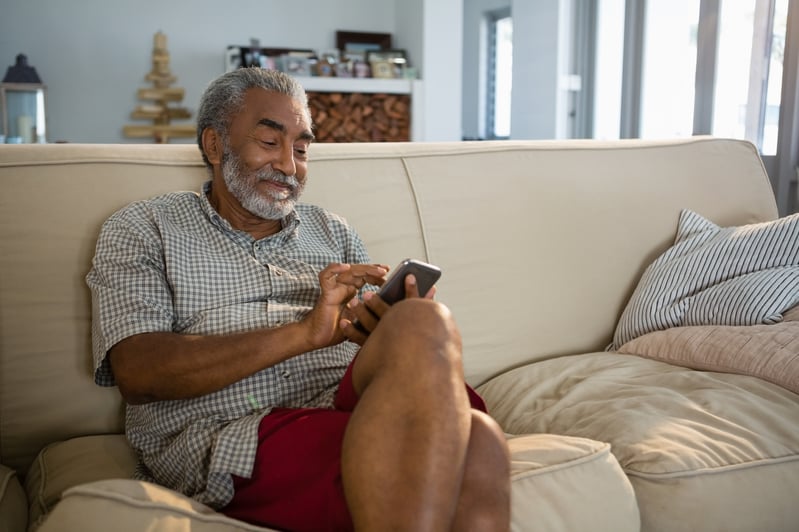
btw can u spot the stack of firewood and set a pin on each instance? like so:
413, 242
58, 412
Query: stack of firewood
359, 117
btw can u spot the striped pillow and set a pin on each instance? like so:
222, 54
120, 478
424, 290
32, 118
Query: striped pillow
716, 276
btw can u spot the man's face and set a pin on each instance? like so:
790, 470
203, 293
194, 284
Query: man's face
276, 196
264, 162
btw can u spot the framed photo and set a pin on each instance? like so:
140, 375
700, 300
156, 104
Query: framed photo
344, 69
332, 56
387, 63
357, 41
249, 56
354, 57
232, 58
383, 69
395, 56
295, 65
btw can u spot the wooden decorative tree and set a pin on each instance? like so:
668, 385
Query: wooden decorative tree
162, 95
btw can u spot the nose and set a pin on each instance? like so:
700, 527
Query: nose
284, 162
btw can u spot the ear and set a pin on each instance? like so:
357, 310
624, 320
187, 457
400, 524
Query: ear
212, 145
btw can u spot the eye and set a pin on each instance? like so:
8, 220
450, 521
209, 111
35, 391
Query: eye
301, 150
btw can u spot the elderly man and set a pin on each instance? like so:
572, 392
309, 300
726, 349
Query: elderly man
225, 317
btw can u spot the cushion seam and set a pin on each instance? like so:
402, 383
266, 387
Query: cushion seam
5, 482
40, 497
713, 470
603, 451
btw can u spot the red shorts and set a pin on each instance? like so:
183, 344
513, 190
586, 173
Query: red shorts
296, 480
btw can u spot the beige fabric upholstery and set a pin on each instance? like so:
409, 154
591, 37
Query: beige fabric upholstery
698, 447
548, 471
132, 505
13, 504
540, 242
62, 465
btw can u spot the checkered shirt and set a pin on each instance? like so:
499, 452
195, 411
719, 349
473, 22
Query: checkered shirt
173, 264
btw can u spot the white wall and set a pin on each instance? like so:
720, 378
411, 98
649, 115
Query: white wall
536, 37
443, 73
93, 54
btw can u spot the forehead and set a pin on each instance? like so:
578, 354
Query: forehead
260, 104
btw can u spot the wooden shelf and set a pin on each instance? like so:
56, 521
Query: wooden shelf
362, 85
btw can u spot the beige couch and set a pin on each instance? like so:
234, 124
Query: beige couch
541, 244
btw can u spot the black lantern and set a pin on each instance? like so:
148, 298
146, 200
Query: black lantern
22, 104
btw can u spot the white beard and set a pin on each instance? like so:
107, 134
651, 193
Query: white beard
243, 186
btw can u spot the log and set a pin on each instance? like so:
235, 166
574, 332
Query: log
360, 117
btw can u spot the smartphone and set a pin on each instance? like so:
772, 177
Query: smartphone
393, 289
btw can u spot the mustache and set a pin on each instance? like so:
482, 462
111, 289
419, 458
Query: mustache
278, 177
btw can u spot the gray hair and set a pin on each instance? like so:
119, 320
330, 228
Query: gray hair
225, 95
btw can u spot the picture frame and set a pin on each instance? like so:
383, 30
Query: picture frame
237, 56
296, 65
383, 69
344, 69
387, 63
232, 58
352, 41
395, 56
332, 55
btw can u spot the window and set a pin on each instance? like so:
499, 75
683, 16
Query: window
500, 74
669, 68
747, 91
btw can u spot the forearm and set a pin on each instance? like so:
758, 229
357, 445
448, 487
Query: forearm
163, 366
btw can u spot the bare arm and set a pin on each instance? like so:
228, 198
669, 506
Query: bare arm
162, 365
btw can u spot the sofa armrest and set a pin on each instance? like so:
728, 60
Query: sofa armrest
13, 503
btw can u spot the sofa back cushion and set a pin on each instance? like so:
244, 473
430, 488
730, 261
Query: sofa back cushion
540, 243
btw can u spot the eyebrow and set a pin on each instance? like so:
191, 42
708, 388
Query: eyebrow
267, 122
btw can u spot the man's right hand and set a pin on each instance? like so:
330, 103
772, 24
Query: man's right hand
339, 284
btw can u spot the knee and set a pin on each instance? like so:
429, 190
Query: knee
488, 443
422, 320
424, 338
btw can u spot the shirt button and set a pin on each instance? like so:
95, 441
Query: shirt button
278, 272
286, 374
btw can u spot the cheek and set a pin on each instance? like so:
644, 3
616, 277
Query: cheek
302, 172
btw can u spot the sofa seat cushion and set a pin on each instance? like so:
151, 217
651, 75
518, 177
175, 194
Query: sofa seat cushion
13, 503
68, 463
84, 483
126, 505
703, 450
566, 483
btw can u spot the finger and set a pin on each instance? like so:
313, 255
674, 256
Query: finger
329, 275
375, 303
365, 317
411, 288
353, 332
361, 274
431, 293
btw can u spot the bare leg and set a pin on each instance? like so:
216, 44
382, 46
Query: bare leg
405, 449
484, 503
